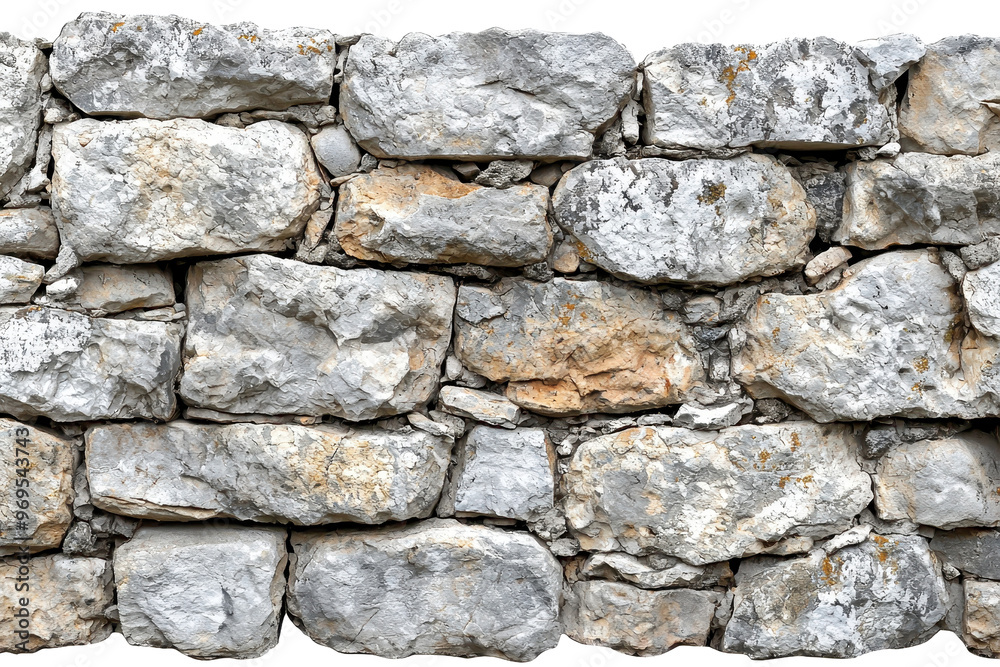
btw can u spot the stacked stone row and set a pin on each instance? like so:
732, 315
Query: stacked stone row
458, 344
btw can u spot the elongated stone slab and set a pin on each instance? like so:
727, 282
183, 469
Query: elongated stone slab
28, 232
24, 67
18, 280
981, 620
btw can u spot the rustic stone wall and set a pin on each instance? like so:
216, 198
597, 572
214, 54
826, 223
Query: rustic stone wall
459, 344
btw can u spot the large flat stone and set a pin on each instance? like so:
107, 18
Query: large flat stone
146, 190
971, 550
21, 74
276, 336
28, 232
492, 94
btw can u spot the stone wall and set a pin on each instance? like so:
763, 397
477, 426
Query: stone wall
459, 344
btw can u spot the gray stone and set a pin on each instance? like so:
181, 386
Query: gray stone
146, 190
435, 587
889, 57
711, 496
336, 151
479, 405
981, 290
276, 336
501, 473
702, 310
109, 288
272, 473
70, 367
890, 340
981, 620
571, 347
825, 262
702, 221
208, 591
21, 76
825, 191
708, 96
692, 415
168, 66
486, 95
414, 214
19, 280
885, 593
979, 255
28, 232
655, 571
636, 621
971, 550
504, 173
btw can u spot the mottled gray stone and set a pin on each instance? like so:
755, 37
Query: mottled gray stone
435, 587
974, 551
889, 57
702, 221
825, 262
825, 191
479, 405
209, 591
981, 620
70, 367
28, 232
492, 94
981, 290
709, 96
336, 151
504, 173
110, 288
168, 66
22, 68
19, 280
414, 214
692, 415
711, 496
655, 571
273, 473
886, 592
276, 336
979, 255
145, 190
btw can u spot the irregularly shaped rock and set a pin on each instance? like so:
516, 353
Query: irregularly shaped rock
920, 198
884, 593
706, 497
19, 280
981, 290
568, 347
109, 288
692, 415
637, 621
950, 105
21, 73
28, 232
890, 57
70, 367
708, 96
502, 473
971, 550
276, 336
414, 214
703, 221
825, 262
209, 591
655, 571
981, 620
505, 173
437, 587
336, 151
274, 473
889, 340
36, 481
479, 405
67, 598
980, 254
146, 190
486, 95
825, 191
948, 483
168, 66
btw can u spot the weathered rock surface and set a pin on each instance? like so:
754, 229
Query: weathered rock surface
414, 214
981, 290
886, 592
276, 336
110, 288
889, 340
28, 232
336, 151
146, 190
948, 483
708, 96
168, 66
711, 496
67, 598
637, 621
19, 280
501, 473
21, 73
890, 57
655, 571
70, 367
920, 198
274, 473
479, 405
568, 347
971, 550
492, 94
692, 415
702, 221
437, 587
208, 591
982, 617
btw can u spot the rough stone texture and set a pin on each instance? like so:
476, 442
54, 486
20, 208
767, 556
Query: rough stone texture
982, 617
484, 95
28, 232
890, 57
208, 591
886, 592
948, 483
637, 621
276, 336
712, 418
889, 340
708, 96
479, 405
109, 288
568, 347
18, 279
67, 599
274, 473
971, 550
655, 571
336, 151
981, 290
22, 68
825, 262
414, 214
437, 587
703, 221
70, 367
919, 198
711, 496
145, 190
168, 66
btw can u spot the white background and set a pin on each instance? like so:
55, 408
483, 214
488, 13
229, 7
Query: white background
642, 26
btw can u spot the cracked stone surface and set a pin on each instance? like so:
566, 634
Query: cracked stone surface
22, 68
981, 291
28, 232
655, 571
111, 288
19, 280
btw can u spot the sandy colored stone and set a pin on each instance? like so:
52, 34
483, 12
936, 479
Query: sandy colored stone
981, 621
825, 262
479, 405
28, 232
